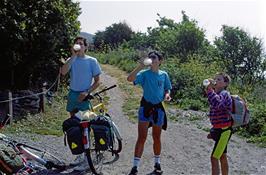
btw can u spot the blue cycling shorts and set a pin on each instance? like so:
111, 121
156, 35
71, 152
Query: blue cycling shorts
72, 102
160, 119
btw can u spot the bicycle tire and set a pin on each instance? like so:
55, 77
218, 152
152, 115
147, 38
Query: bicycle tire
43, 158
91, 161
94, 158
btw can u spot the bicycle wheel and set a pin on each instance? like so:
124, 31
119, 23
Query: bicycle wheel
40, 159
95, 160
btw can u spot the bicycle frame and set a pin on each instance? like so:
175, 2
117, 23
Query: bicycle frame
27, 155
31, 156
100, 110
103, 111
99, 107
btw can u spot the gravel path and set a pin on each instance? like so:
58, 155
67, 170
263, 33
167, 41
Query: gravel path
185, 148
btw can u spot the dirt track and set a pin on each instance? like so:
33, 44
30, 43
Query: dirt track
185, 148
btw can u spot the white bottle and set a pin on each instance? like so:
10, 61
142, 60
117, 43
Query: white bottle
206, 82
76, 47
147, 61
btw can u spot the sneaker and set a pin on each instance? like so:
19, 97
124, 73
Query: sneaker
78, 160
82, 167
134, 171
157, 169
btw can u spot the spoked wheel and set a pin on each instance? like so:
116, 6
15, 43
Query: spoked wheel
95, 161
41, 159
97, 158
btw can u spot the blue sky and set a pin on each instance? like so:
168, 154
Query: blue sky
211, 15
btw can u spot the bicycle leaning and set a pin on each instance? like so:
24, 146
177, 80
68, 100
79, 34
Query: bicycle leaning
29, 159
93, 132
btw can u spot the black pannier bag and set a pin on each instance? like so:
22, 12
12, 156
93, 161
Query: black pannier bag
73, 135
102, 133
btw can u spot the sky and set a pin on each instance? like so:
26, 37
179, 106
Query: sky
249, 15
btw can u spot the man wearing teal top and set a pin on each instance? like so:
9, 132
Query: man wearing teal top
156, 89
84, 78
154, 84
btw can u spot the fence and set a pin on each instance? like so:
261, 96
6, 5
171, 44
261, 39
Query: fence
21, 102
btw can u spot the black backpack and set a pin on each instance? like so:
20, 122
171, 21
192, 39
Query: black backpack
103, 133
73, 135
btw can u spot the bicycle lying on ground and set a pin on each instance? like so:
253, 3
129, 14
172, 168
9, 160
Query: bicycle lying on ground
99, 132
33, 159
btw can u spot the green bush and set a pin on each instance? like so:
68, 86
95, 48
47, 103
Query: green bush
257, 125
187, 78
188, 91
193, 104
122, 57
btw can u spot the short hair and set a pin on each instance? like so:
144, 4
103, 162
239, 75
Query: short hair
81, 38
225, 76
154, 52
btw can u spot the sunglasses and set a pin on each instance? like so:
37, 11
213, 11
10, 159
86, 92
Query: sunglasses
153, 56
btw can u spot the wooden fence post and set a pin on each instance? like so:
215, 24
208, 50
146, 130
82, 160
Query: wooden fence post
42, 97
58, 81
10, 107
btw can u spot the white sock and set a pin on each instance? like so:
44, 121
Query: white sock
136, 161
157, 159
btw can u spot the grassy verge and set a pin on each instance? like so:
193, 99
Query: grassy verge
50, 122
47, 123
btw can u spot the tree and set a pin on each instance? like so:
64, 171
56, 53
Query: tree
99, 40
173, 39
242, 54
113, 35
180, 39
34, 35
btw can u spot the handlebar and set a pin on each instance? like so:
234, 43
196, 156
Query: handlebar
97, 94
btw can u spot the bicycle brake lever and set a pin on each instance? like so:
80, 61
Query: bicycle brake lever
88, 97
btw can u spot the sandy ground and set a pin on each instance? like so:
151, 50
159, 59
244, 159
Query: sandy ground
185, 148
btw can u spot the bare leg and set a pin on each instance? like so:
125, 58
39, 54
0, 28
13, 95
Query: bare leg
224, 164
156, 135
215, 166
142, 136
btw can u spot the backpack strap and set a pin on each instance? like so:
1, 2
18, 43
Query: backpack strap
245, 114
233, 105
65, 141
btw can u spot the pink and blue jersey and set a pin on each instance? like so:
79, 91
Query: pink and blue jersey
220, 105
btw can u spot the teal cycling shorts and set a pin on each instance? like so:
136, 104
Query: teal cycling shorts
72, 102
158, 122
